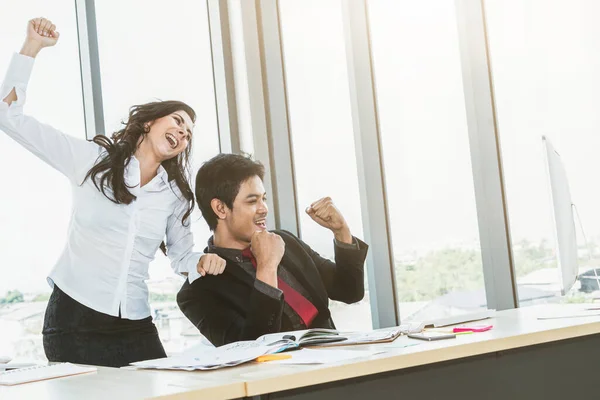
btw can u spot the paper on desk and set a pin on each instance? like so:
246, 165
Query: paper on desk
324, 356
211, 358
368, 337
572, 314
399, 345
379, 335
13, 365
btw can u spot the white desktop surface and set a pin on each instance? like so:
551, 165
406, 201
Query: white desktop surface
512, 329
116, 384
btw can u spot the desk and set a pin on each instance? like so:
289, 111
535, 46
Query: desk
521, 358
117, 384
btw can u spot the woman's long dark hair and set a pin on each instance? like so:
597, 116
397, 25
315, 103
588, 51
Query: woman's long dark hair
124, 143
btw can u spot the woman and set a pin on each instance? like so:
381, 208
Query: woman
128, 194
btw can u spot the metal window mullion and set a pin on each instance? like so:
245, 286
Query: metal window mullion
276, 106
258, 117
490, 196
369, 157
89, 59
223, 78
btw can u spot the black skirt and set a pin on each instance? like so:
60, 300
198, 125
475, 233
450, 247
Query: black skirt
77, 334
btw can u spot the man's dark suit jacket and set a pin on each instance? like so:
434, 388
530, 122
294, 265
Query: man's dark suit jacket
228, 308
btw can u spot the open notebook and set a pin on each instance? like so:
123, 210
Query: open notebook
41, 372
305, 337
236, 353
329, 337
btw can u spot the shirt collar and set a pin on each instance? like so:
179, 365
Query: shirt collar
162, 173
133, 176
160, 180
230, 254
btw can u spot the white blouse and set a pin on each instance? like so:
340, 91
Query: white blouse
104, 264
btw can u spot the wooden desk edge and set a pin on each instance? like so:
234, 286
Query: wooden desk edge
225, 391
385, 364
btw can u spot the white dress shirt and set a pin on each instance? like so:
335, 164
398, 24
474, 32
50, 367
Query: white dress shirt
104, 264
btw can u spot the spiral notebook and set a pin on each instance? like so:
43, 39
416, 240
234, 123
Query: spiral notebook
42, 372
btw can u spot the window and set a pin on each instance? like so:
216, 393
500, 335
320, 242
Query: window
163, 53
426, 158
35, 210
242, 93
321, 127
546, 83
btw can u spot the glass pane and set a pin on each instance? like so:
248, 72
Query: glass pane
427, 160
163, 54
34, 214
242, 93
546, 83
321, 126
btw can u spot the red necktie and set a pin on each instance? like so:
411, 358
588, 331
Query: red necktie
304, 308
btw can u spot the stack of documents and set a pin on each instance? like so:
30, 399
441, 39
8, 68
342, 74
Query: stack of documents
329, 337
212, 358
377, 336
207, 358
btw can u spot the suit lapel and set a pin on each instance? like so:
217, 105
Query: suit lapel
236, 271
233, 269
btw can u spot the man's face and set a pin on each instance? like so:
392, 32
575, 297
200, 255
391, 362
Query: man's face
249, 212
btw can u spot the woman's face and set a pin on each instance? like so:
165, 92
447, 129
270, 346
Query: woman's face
170, 135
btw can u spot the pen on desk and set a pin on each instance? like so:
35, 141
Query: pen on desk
272, 357
473, 328
463, 332
449, 331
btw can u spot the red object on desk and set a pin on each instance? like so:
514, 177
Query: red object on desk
473, 328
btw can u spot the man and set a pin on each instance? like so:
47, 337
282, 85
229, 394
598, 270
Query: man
272, 281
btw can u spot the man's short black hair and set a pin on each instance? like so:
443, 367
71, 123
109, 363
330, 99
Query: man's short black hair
221, 178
